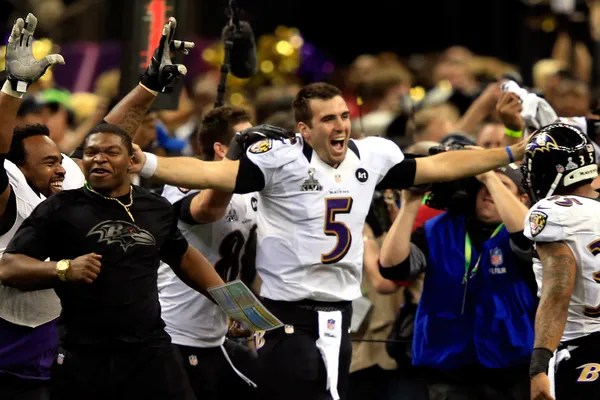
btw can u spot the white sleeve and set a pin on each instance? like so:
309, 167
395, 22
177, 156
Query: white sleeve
74, 178
547, 222
270, 155
174, 193
381, 154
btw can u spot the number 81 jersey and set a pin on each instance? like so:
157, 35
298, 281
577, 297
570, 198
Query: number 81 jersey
312, 216
191, 319
574, 221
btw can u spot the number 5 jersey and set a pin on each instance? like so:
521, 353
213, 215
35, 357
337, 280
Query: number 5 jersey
574, 221
191, 319
312, 215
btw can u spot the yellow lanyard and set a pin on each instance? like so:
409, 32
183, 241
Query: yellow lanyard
468, 256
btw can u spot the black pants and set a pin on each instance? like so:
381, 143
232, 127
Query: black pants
211, 376
479, 383
578, 377
15, 388
149, 372
375, 383
292, 365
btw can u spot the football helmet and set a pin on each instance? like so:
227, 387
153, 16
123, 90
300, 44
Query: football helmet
556, 156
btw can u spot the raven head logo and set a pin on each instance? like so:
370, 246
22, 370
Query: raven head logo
123, 233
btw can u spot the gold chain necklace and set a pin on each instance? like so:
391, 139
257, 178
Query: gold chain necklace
125, 206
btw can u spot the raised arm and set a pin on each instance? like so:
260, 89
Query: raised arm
510, 207
161, 72
129, 112
22, 69
9, 106
397, 245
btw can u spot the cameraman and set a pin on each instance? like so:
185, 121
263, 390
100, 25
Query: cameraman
474, 323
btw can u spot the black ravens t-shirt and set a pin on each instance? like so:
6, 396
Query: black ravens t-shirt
122, 305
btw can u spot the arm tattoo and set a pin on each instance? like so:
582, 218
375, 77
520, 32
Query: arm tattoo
558, 279
133, 119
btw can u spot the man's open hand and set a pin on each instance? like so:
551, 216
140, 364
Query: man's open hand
21, 67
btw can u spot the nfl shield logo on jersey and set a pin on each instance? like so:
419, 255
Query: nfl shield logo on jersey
193, 360
60, 359
330, 324
537, 222
496, 257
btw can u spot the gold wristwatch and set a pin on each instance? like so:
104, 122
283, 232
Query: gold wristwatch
61, 269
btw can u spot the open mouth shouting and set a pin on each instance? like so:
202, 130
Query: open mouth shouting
99, 172
338, 144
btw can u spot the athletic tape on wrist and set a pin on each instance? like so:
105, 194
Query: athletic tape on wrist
7, 88
150, 166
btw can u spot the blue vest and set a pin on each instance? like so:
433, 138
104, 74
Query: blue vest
488, 321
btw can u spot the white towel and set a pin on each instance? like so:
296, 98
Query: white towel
329, 342
536, 111
563, 354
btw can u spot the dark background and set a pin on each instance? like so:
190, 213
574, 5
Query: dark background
341, 29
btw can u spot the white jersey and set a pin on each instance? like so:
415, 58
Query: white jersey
36, 307
27, 198
312, 217
191, 319
574, 221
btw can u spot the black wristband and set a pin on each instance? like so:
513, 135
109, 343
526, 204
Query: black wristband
540, 359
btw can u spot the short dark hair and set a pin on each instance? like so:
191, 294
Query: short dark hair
29, 105
17, 153
217, 126
317, 90
114, 130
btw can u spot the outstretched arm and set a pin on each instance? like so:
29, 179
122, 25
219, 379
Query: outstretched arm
192, 173
458, 164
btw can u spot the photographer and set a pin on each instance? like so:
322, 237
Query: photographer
474, 323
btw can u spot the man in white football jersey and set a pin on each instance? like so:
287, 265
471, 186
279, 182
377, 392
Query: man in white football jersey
32, 168
223, 228
314, 197
564, 225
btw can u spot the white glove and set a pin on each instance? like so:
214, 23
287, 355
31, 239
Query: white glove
21, 67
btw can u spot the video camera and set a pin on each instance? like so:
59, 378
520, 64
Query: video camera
455, 196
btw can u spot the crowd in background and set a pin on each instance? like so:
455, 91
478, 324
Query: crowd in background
419, 104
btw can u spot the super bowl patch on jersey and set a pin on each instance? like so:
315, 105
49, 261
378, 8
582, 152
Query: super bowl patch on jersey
537, 222
262, 146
